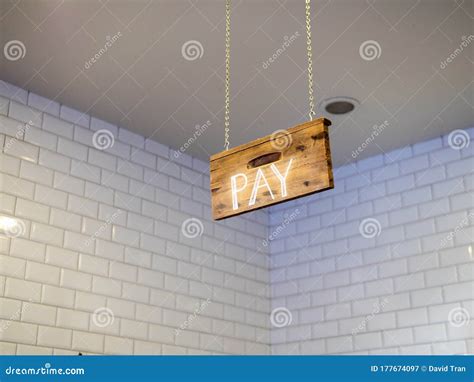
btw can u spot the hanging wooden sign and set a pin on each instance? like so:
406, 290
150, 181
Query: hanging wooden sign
285, 165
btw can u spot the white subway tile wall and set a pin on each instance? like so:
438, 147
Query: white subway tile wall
382, 264
117, 253
102, 261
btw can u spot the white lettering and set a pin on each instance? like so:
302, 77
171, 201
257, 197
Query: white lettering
235, 190
282, 178
256, 186
260, 182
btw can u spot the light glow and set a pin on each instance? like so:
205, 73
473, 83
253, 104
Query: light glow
7, 223
11, 227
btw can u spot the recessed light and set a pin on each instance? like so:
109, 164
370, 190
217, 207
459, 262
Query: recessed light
339, 105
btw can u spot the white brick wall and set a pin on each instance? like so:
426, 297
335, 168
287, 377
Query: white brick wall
102, 230
102, 235
396, 292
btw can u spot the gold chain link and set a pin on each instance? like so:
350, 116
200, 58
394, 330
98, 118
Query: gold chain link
227, 75
310, 59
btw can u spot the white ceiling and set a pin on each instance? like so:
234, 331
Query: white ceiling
144, 83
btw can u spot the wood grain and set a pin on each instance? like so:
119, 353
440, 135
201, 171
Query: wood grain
310, 169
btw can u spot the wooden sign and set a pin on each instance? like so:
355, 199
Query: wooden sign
282, 166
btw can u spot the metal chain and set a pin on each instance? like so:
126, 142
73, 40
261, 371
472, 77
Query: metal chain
227, 75
310, 59
227, 69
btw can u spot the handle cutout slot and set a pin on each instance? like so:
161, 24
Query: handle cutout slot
264, 159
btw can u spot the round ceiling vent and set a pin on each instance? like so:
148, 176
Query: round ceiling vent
339, 105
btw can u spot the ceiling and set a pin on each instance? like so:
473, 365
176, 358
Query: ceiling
147, 83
